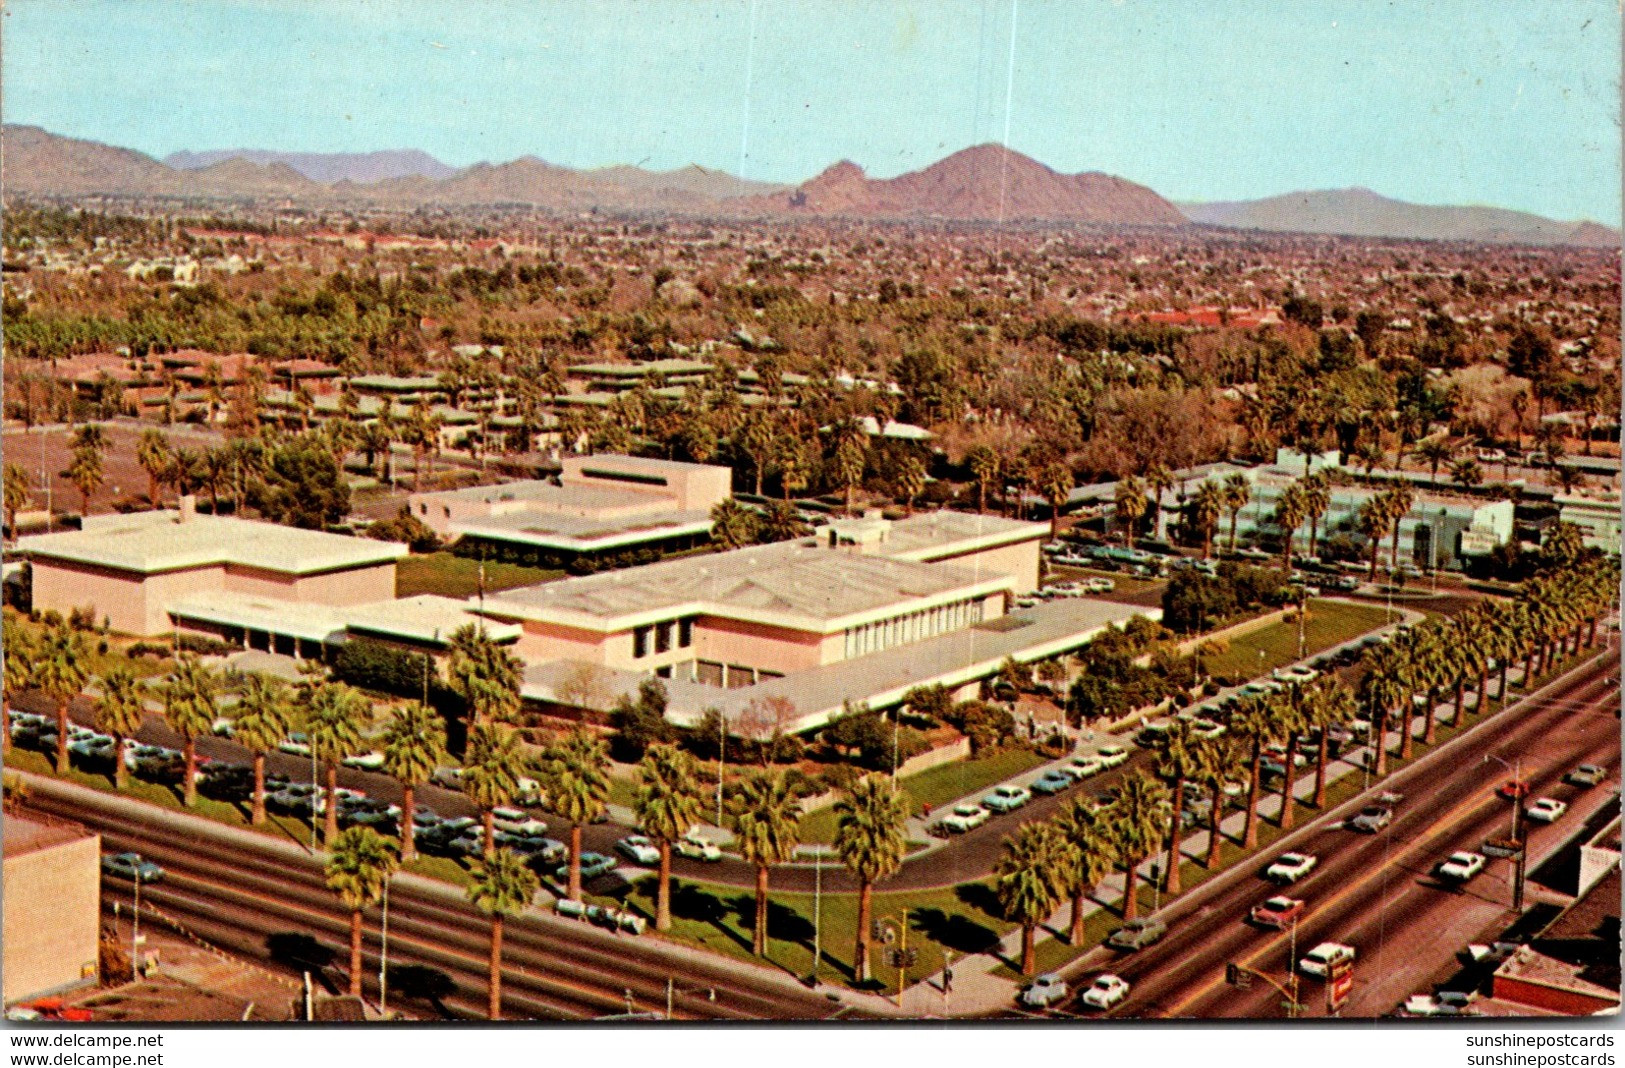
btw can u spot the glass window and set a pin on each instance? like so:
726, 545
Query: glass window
685, 633
640, 642
663, 637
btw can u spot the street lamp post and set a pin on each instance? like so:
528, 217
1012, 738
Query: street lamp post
135, 929
1516, 841
383, 956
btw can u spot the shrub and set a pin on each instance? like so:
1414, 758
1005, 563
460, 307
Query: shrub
373, 665
140, 649
204, 645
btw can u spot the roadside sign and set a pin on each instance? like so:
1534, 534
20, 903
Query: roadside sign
1501, 849
1338, 990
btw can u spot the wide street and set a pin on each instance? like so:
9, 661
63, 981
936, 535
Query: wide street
1377, 892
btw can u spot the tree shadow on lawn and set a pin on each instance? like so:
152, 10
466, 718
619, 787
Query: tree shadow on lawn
783, 922
689, 902
957, 932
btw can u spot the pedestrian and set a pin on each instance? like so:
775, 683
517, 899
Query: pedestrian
947, 980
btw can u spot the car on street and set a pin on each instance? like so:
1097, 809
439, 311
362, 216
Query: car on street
295, 744
1513, 789
1081, 768
1111, 756
1137, 934
638, 849
1277, 912
1545, 810
1371, 819
592, 866
1585, 775
694, 847
518, 821
1100, 584
1444, 1003
544, 851
964, 818
1052, 782
1105, 991
1006, 798
1346, 583
1046, 990
1461, 865
1206, 728
448, 778
1489, 952
1290, 867
372, 760
1299, 673
132, 866
1323, 958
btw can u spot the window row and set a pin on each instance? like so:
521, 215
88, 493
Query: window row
659, 637
915, 626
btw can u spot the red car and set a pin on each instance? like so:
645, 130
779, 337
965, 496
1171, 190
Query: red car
1277, 912
1513, 789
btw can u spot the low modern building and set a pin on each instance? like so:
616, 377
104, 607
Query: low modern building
52, 906
1596, 513
1572, 967
601, 505
134, 571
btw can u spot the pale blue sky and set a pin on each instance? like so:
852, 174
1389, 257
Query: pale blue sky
1440, 101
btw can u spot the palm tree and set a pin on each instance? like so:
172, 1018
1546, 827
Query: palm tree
358, 871
120, 711
484, 674
1026, 881
1176, 765
575, 773
1382, 688
1290, 510
1091, 857
1251, 723
910, 482
1317, 499
1205, 509
1159, 480
60, 671
1333, 706
18, 661
16, 495
491, 773
732, 524
1131, 504
1398, 500
766, 816
189, 710
85, 470
983, 462
1219, 760
1287, 709
1374, 522
1435, 452
1238, 492
264, 718
1466, 472
334, 714
869, 820
1055, 483
502, 886
1138, 812
668, 804
414, 745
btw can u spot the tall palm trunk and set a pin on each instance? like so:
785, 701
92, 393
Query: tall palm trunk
409, 830
1320, 768
1382, 743
860, 956
1170, 879
1029, 958
189, 792
663, 890
1528, 670
121, 775
1215, 817
573, 890
1461, 701
1482, 704
1249, 837
488, 824
1233, 517
256, 812
355, 953
1075, 932
493, 1009
330, 823
1131, 874
1374, 548
1288, 769
759, 936
62, 737
1502, 691
1407, 726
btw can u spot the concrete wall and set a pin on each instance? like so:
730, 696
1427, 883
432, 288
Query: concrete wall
52, 917
541, 642
689, 487
132, 604
731, 641
1019, 560
358, 585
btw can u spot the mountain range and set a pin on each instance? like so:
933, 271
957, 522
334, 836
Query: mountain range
983, 183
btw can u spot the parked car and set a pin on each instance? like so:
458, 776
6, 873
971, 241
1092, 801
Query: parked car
1461, 865
1111, 756
1444, 1003
518, 821
1323, 958
372, 760
1585, 775
1277, 912
1545, 810
543, 851
592, 866
1137, 934
638, 849
694, 847
1006, 798
1081, 768
1371, 819
1052, 782
964, 818
132, 866
1202, 727
1290, 867
1046, 990
1105, 992
1489, 952
448, 778
1100, 584
295, 744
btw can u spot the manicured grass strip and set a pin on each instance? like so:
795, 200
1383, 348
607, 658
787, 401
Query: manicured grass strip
1329, 623
456, 576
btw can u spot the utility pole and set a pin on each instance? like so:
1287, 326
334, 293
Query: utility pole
135, 929
383, 957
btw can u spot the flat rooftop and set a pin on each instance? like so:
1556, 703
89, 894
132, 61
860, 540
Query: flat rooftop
152, 542
796, 583
583, 534
877, 680
930, 535
541, 494
21, 834
425, 618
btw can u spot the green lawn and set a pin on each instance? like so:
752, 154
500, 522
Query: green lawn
1329, 623
457, 576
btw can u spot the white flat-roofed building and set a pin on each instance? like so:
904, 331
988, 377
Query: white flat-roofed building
130, 569
1596, 513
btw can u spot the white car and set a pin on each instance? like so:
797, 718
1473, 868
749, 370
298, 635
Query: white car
1323, 958
696, 848
1006, 798
1105, 991
1444, 1003
1082, 767
964, 818
1490, 952
638, 849
518, 821
1290, 867
1100, 584
295, 744
1545, 810
1299, 673
1462, 865
369, 761
1046, 990
1111, 756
